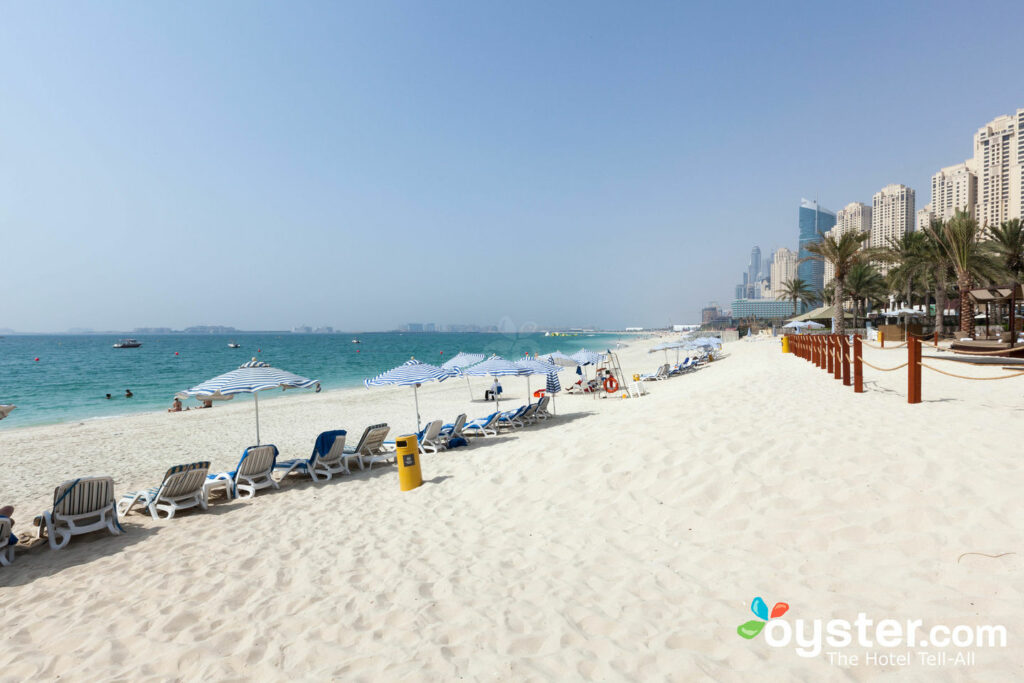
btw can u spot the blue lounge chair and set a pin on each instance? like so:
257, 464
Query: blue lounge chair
252, 473
453, 430
327, 459
482, 426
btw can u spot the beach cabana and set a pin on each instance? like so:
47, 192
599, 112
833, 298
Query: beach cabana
250, 378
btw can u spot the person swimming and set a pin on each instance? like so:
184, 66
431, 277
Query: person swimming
128, 393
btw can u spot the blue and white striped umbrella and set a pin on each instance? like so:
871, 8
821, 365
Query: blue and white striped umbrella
587, 357
559, 358
463, 360
250, 378
552, 388
412, 373
536, 366
495, 366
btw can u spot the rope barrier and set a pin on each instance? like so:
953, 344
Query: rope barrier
943, 372
884, 348
983, 353
898, 367
965, 362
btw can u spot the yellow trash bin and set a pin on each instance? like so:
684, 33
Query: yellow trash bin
407, 452
785, 344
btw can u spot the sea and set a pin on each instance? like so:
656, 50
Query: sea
65, 378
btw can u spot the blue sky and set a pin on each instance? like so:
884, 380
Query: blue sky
363, 165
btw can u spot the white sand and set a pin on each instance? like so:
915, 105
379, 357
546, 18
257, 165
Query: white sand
625, 539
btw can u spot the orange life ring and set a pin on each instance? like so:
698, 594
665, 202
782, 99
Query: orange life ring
611, 385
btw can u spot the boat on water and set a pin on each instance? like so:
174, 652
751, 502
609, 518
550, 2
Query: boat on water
128, 344
356, 341
234, 345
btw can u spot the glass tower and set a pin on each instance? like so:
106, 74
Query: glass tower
813, 220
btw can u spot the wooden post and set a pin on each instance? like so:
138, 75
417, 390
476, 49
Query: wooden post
844, 348
837, 347
858, 367
817, 350
829, 356
936, 338
914, 370
881, 337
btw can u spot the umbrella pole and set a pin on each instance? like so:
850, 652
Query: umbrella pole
256, 397
470, 387
497, 401
527, 389
416, 397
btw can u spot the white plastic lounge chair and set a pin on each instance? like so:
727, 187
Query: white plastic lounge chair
482, 426
529, 416
428, 439
511, 419
327, 459
542, 408
80, 506
252, 473
453, 430
7, 542
636, 389
662, 373
182, 488
370, 448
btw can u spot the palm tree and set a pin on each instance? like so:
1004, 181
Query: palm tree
842, 253
970, 259
1008, 247
863, 284
939, 268
907, 253
796, 290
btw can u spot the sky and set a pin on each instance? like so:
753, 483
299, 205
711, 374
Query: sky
364, 165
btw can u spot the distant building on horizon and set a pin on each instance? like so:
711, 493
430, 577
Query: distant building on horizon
999, 165
754, 273
761, 309
893, 215
815, 220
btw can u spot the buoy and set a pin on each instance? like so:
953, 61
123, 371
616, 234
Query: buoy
175, 353
37, 359
357, 350
259, 350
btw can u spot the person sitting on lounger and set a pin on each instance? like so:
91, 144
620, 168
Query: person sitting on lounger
493, 392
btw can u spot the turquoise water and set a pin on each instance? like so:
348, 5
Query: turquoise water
73, 373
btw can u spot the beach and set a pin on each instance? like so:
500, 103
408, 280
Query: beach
623, 539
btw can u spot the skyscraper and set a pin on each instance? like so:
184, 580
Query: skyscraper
754, 273
814, 221
954, 188
892, 215
854, 217
999, 163
783, 270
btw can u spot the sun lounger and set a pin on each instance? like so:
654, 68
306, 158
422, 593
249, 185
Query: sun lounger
252, 473
7, 542
327, 459
482, 426
80, 506
370, 448
428, 439
454, 429
662, 373
512, 419
182, 488
542, 408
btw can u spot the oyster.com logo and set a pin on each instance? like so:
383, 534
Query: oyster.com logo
760, 610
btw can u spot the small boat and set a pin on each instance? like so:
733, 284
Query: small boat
128, 344
234, 345
356, 341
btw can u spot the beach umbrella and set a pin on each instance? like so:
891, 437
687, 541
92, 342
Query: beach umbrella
495, 366
811, 325
463, 360
535, 366
412, 373
587, 357
250, 378
796, 324
552, 387
212, 397
559, 358
5, 410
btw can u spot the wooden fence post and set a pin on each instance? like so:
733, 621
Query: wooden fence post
837, 347
829, 356
913, 370
844, 349
858, 367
